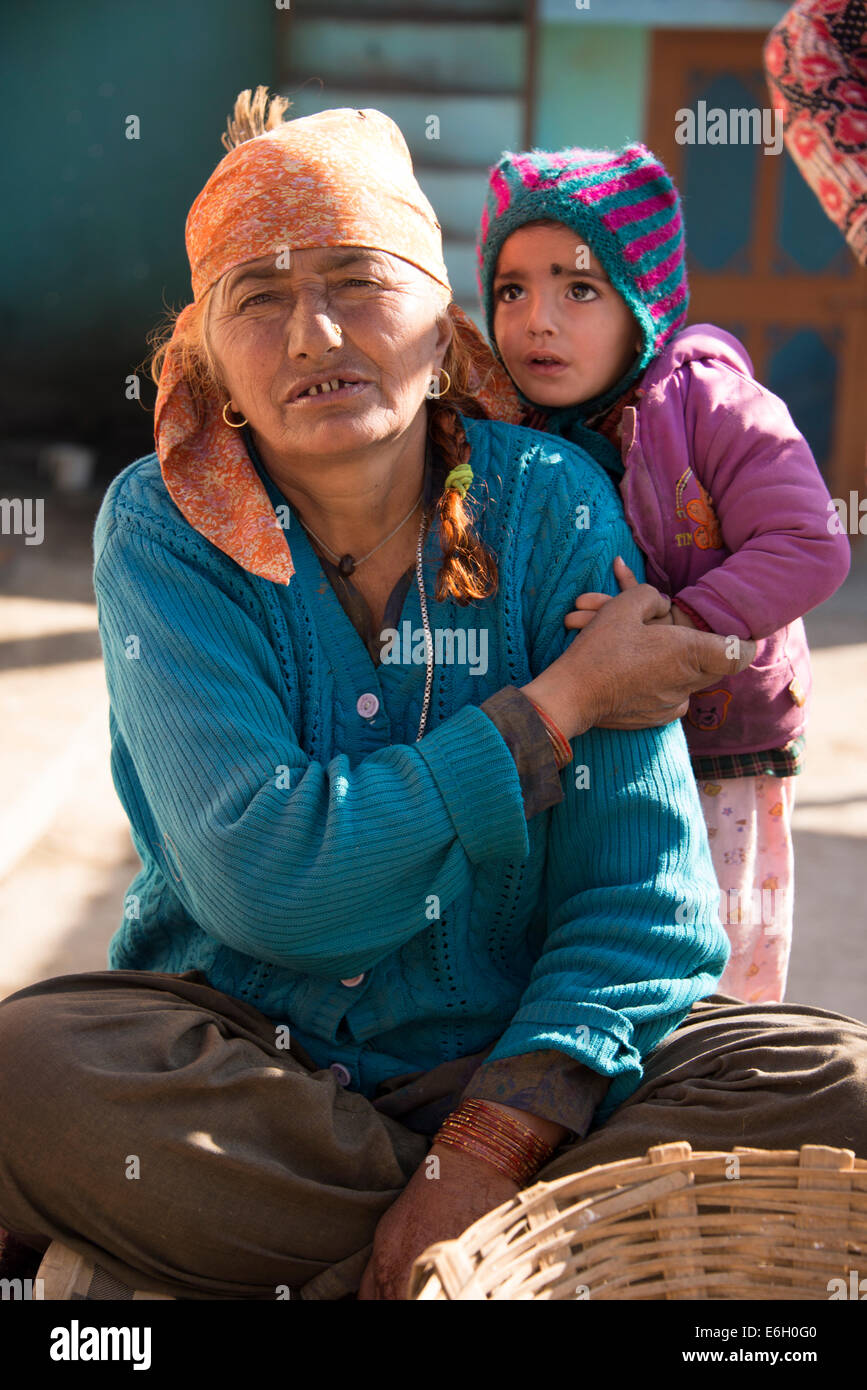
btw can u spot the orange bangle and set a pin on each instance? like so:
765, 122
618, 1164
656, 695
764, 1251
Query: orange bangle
559, 741
497, 1139
513, 1160
562, 757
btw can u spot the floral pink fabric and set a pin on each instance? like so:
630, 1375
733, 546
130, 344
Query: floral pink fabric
749, 827
816, 65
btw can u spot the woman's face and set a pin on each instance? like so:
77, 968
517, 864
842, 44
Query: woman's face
334, 313
565, 334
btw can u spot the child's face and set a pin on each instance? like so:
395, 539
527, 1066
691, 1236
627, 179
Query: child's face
565, 335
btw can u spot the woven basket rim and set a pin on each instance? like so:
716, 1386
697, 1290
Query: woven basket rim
797, 1212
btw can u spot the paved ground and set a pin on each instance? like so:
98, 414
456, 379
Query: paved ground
66, 857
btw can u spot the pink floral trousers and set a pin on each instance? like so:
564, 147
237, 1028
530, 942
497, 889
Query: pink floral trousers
749, 827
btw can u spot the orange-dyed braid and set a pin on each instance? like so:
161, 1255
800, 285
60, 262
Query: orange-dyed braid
469, 569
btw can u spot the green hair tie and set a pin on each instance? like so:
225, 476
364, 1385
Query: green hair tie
460, 479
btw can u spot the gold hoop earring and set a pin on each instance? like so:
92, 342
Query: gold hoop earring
234, 424
435, 395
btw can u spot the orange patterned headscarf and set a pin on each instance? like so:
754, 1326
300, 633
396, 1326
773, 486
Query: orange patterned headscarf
338, 178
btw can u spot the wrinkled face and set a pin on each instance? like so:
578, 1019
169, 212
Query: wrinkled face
359, 317
565, 334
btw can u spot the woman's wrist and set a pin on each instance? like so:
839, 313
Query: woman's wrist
457, 1167
560, 745
559, 706
548, 1130
493, 1135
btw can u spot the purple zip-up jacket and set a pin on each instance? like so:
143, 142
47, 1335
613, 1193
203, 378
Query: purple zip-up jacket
728, 505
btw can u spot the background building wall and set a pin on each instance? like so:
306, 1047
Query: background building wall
590, 89
94, 254
94, 246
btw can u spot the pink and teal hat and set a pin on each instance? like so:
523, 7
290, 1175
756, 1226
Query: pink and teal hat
623, 204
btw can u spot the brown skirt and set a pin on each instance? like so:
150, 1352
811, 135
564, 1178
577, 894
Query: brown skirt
158, 1126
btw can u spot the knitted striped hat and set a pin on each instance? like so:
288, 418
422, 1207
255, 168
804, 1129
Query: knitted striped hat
624, 206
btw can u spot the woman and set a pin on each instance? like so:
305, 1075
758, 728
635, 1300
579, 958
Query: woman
372, 912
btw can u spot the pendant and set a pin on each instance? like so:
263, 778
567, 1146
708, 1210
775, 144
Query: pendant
347, 564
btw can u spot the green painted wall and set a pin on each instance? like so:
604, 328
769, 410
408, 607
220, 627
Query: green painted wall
591, 85
95, 244
94, 250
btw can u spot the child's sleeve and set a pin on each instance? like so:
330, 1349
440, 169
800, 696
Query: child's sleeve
773, 507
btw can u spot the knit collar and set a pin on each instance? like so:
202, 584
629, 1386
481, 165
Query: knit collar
434, 476
584, 428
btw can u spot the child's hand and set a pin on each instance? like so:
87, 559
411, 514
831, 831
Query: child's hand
681, 619
588, 604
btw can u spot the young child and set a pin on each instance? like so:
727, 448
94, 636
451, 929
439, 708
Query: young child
583, 281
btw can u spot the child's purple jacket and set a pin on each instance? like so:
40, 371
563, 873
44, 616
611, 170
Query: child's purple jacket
728, 505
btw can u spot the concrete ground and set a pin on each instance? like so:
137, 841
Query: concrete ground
66, 858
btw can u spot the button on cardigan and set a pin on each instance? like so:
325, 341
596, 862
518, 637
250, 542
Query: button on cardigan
513, 714
287, 844
549, 1083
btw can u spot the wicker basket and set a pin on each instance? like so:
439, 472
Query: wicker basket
750, 1224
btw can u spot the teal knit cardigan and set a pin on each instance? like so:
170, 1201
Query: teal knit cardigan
289, 840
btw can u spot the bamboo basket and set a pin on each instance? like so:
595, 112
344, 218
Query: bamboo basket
750, 1224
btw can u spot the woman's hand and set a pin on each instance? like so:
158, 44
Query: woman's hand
588, 604
430, 1208
635, 664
